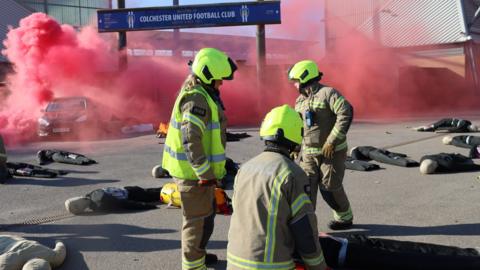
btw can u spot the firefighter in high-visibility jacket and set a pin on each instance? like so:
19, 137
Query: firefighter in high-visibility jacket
327, 116
273, 216
194, 151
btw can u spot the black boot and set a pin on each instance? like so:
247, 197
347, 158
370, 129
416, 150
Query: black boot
211, 259
340, 225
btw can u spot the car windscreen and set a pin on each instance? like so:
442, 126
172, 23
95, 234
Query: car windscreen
66, 105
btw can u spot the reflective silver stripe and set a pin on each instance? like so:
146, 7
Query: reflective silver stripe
314, 261
183, 156
193, 264
215, 125
202, 168
316, 104
253, 265
313, 150
341, 146
337, 104
343, 216
338, 134
175, 124
275, 197
195, 120
217, 158
210, 126
300, 201
175, 155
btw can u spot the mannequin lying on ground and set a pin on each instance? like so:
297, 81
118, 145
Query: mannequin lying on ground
449, 125
30, 170
48, 156
359, 252
114, 199
381, 155
17, 253
360, 165
464, 141
447, 162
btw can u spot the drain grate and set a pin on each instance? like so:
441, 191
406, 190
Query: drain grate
37, 221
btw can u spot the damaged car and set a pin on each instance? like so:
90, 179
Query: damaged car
74, 116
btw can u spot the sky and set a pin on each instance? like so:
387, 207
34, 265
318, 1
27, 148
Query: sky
231, 30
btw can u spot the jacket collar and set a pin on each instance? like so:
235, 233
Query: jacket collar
214, 94
311, 89
277, 149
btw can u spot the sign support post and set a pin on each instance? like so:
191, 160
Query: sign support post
261, 51
122, 41
176, 36
261, 54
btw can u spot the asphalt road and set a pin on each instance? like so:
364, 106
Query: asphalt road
396, 203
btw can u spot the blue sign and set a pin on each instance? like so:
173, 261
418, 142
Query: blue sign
189, 16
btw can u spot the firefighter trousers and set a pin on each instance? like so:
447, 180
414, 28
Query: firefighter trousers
198, 205
326, 175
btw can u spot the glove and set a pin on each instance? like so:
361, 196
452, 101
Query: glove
293, 155
328, 150
207, 183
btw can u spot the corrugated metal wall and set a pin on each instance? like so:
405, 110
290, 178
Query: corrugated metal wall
343, 14
11, 13
74, 12
401, 23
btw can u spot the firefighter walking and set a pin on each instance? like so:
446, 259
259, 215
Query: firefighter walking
194, 151
327, 116
273, 216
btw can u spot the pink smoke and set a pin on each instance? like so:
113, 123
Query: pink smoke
52, 60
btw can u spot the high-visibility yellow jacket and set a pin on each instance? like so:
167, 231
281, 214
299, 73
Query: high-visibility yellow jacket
194, 148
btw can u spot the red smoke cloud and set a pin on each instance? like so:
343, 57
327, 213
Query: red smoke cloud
52, 60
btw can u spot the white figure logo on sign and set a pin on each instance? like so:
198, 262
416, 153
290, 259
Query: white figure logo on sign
131, 20
244, 12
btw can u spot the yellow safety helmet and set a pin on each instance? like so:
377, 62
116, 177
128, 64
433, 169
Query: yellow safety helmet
282, 125
212, 64
170, 195
304, 71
